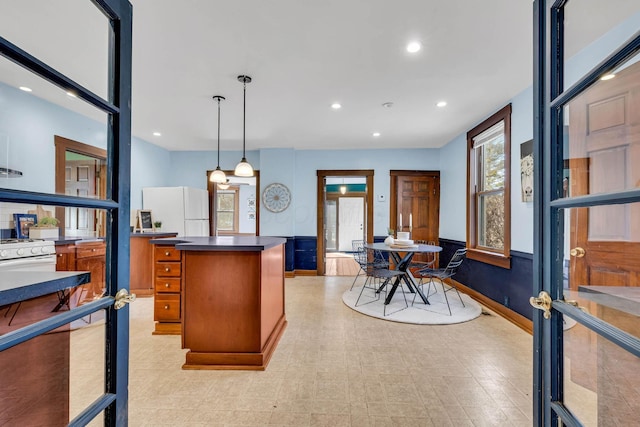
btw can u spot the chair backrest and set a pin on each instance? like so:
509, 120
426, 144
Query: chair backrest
456, 261
357, 245
360, 255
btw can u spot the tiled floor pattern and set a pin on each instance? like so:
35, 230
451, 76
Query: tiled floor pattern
333, 367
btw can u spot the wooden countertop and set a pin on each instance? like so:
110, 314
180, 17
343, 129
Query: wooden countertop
22, 285
222, 243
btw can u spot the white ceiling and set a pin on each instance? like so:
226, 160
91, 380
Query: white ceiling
302, 55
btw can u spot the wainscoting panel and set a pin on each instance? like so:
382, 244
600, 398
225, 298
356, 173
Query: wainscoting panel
305, 253
510, 288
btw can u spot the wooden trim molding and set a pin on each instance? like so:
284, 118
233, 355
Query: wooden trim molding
305, 273
501, 259
493, 258
62, 145
513, 317
212, 187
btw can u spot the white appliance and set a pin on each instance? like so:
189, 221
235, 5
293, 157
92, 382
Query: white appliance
27, 255
183, 210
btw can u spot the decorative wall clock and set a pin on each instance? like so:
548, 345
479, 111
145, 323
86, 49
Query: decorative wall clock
276, 197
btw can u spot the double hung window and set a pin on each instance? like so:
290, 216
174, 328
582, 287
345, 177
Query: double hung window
488, 207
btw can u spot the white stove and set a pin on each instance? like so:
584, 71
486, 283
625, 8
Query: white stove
27, 254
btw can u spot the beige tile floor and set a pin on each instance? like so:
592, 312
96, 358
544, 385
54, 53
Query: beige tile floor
333, 367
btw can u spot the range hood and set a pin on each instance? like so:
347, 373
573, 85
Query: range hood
9, 173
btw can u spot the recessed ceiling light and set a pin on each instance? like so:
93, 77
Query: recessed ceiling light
157, 134
26, 89
387, 104
607, 76
441, 104
414, 47
72, 95
336, 106
376, 134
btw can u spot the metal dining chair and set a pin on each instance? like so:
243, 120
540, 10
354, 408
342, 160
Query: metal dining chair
365, 260
441, 274
430, 257
378, 270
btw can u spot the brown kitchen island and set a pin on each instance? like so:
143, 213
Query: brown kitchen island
232, 300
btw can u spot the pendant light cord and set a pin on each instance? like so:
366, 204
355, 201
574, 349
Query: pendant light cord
218, 132
244, 114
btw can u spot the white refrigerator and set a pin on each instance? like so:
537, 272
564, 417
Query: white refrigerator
183, 210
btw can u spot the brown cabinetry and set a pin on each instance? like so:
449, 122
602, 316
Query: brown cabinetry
84, 256
142, 267
167, 270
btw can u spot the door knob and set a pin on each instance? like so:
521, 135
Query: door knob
542, 302
577, 252
122, 298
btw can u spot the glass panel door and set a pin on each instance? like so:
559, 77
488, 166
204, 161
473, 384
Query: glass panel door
51, 291
587, 228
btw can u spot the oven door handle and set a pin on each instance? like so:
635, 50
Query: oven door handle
11, 264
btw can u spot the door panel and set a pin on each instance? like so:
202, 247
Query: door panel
350, 222
604, 157
103, 387
587, 137
418, 200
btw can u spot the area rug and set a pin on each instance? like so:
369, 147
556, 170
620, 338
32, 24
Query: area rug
436, 313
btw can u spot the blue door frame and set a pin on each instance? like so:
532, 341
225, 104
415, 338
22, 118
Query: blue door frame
550, 97
114, 401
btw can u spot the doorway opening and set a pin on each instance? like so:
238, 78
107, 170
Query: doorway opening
81, 170
234, 209
345, 214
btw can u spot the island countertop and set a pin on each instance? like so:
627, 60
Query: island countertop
221, 243
155, 234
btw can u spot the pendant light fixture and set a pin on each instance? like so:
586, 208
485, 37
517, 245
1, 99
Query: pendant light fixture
224, 186
218, 174
244, 168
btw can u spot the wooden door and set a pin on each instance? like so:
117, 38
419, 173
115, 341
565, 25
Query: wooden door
416, 195
604, 154
80, 180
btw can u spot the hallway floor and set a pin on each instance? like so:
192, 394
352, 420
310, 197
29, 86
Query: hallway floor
333, 367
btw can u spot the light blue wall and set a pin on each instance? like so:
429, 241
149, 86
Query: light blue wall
521, 212
453, 189
278, 165
297, 170
381, 161
27, 128
149, 168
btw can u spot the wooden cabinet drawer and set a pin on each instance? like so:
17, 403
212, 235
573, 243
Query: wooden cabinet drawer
167, 307
168, 284
171, 269
85, 251
167, 253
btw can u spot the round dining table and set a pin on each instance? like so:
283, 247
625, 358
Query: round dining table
401, 256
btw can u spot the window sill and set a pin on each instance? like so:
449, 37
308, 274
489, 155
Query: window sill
499, 260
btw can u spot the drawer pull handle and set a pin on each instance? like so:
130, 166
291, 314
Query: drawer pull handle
93, 250
167, 253
166, 285
166, 307
167, 269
